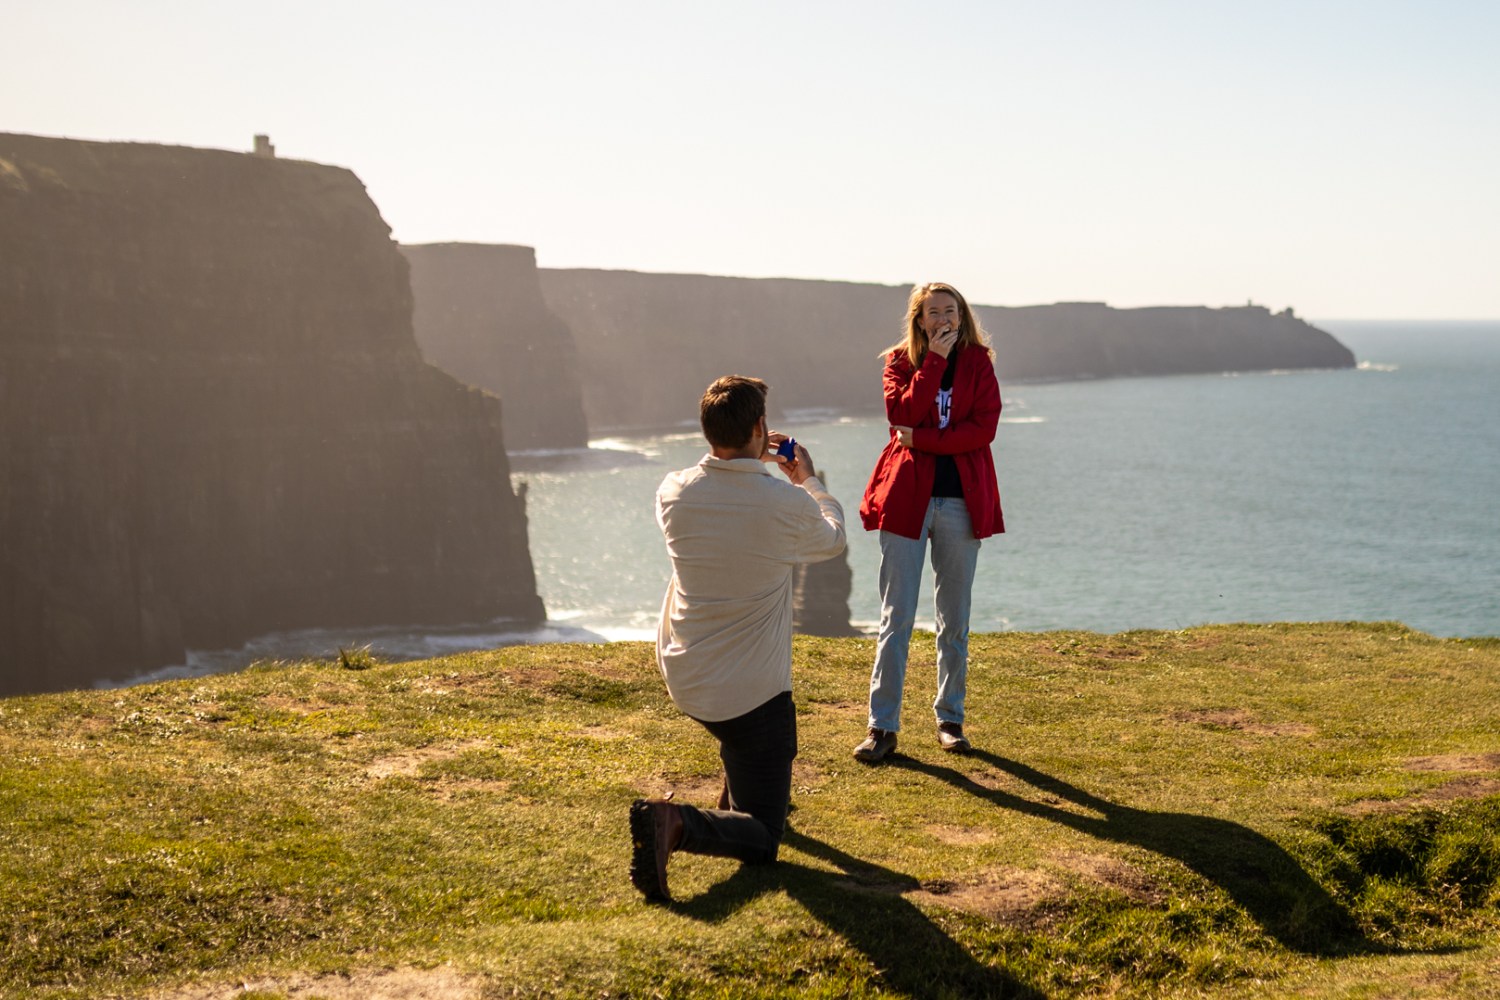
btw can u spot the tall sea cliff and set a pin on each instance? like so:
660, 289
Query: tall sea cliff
215, 420
480, 316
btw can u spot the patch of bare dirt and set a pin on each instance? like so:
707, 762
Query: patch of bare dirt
459, 680
807, 778
1113, 872
1032, 897
1440, 983
93, 726
410, 762
1015, 897
1458, 790
959, 836
835, 707
1456, 762
603, 734
388, 984
1117, 653
543, 675
1044, 649
447, 791
1106, 648
1239, 720
702, 790
994, 780
1185, 640
1441, 977
295, 705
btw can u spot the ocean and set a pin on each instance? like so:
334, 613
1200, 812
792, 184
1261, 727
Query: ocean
1370, 494
1365, 494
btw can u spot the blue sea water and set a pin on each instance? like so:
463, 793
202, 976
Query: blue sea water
1365, 494
1370, 494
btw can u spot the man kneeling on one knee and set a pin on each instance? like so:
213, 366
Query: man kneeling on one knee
735, 534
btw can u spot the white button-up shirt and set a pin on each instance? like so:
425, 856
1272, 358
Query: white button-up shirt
735, 534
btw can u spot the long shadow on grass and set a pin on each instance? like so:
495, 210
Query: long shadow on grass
862, 904
1257, 873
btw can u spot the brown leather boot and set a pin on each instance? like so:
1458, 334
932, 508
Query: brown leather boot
952, 739
876, 746
655, 832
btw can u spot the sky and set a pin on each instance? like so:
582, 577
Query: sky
1339, 158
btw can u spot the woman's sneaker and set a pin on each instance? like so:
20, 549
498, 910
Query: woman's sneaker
876, 746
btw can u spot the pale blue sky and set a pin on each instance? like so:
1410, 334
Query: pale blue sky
1339, 157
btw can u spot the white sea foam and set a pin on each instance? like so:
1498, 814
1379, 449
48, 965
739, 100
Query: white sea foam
1023, 420
610, 454
545, 452
614, 444
1376, 366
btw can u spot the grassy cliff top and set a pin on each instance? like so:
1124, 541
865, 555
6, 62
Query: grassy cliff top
1228, 811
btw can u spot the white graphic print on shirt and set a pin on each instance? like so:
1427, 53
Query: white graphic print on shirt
945, 406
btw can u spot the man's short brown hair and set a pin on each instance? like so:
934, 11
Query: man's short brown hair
730, 409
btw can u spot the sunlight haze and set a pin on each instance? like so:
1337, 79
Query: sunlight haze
1336, 157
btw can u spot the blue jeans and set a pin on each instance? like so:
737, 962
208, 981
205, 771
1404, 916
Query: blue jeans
757, 749
955, 552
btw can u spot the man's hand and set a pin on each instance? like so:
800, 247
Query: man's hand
798, 469
903, 435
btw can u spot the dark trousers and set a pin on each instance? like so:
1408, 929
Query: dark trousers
757, 749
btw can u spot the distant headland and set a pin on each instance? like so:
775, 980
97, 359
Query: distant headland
642, 346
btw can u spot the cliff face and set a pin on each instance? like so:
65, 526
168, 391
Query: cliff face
649, 343
215, 421
1091, 340
480, 317
820, 594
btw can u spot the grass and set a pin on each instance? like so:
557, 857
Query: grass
1228, 811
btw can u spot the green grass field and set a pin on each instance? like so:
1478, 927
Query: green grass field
1228, 811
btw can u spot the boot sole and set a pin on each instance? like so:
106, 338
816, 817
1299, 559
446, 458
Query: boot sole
645, 875
870, 757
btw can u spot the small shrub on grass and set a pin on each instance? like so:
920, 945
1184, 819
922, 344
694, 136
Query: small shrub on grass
358, 658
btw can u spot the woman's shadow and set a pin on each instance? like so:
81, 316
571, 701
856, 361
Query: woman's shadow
863, 904
1257, 873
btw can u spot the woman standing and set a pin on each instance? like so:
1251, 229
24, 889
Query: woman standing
934, 483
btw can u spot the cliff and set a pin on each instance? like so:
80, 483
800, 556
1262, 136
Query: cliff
1072, 340
649, 343
480, 317
215, 421
820, 594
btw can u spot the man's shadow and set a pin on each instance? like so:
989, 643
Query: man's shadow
863, 904
1257, 873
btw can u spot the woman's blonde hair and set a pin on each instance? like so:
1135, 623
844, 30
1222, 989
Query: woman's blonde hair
913, 342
